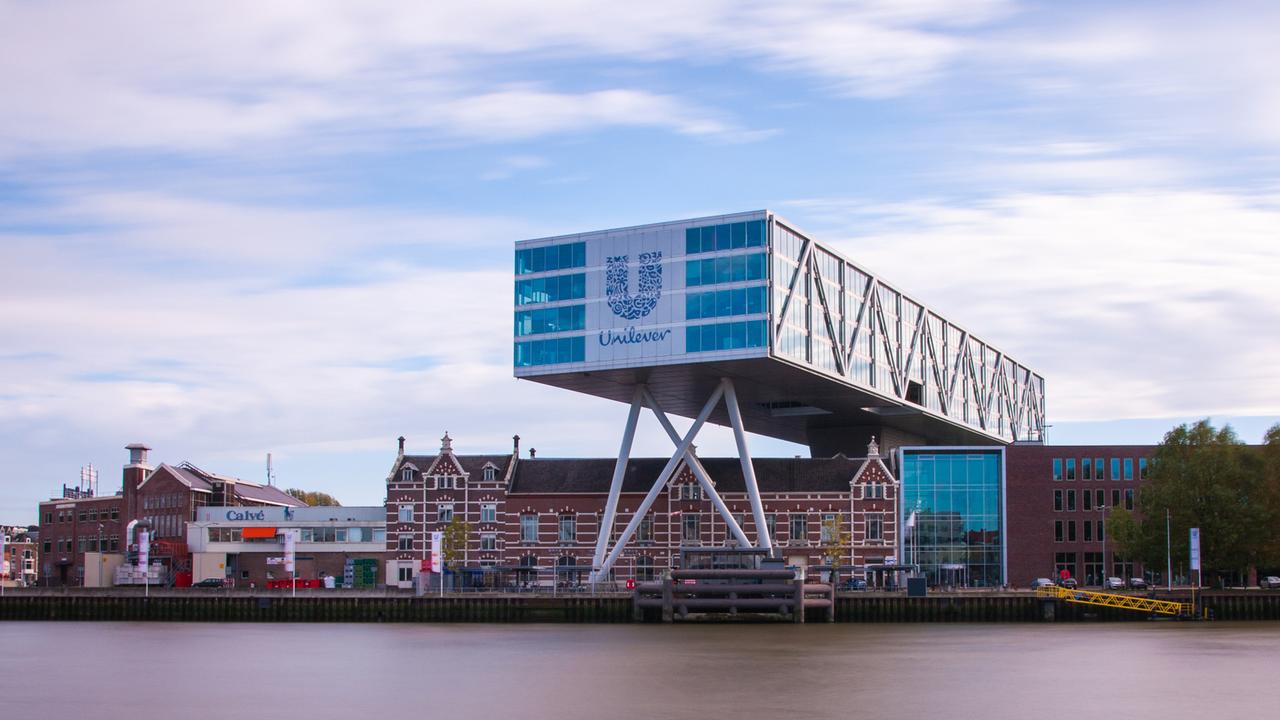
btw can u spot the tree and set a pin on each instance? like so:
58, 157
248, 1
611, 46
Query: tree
314, 497
454, 543
836, 540
1206, 478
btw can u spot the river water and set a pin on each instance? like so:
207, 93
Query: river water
159, 670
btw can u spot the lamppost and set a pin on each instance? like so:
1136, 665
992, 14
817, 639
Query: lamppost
1102, 535
102, 560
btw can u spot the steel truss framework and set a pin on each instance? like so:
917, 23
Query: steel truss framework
941, 367
605, 557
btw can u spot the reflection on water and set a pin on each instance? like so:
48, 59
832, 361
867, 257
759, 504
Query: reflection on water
131, 670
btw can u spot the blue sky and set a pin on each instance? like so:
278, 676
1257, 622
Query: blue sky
228, 229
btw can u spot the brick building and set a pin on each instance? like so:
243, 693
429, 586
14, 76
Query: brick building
534, 517
165, 497
1059, 497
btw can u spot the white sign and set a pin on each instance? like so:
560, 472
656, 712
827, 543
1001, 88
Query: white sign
275, 561
290, 546
891, 560
144, 549
437, 540
1195, 549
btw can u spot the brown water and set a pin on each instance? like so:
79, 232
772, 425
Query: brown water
153, 670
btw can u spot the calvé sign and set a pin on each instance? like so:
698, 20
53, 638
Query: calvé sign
247, 515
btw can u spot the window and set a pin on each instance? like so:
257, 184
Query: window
528, 528
874, 491
1057, 468
551, 257
1057, 531
406, 514
1128, 498
799, 529
489, 513
730, 236
405, 542
445, 513
405, 574
726, 336
771, 524
1071, 468
1142, 468
115, 513
689, 492
550, 352
1071, 531
1099, 496
830, 531
406, 475
568, 528
48, 547
1115, 468
115, 543
490, 474
1098, 468
1086, 469
550, 320
691, 529
551, 289
444, 483
1101, 534
1071, 501
875, 526
48, 518
1088, 531
644, 531
1128, 468
644, 568
1088, 500
1057, 500
488, 541
1115, 498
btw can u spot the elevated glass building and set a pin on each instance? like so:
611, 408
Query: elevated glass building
824, 352
952, 514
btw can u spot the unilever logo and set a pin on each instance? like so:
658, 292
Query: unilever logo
617, 277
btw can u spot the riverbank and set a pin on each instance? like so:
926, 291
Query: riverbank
194, 605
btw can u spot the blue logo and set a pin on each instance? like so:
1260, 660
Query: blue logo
617, 277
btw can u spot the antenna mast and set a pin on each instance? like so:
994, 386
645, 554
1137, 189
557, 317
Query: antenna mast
271, 474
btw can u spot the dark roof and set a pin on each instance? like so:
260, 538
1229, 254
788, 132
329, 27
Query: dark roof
472, 465
198, 479
592, 475
266, 493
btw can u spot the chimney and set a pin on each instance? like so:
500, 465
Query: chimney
516, 446
533, 453
134, 473
401, 453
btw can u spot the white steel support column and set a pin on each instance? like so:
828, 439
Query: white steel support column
748, 471
619, 473
699, 472
658, 484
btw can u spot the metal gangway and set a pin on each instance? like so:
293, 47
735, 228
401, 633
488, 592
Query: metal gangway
1171, 608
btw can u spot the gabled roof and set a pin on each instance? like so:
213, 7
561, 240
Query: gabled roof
873, 470
202, 481
471, 465
773, 475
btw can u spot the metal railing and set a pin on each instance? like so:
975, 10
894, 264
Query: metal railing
1115, 600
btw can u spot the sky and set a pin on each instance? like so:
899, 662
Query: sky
234, 228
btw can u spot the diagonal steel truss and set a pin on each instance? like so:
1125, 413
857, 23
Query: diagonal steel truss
915, 355
605, 557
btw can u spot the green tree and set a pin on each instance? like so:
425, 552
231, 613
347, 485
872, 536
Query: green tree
1207, 478
836, 541
454, 543
314, 497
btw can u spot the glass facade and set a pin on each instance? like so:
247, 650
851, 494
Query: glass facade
551, 289
725, 303
550, 352
725, 336
728, 268
957, 499
551, 257
551, 320
729, 236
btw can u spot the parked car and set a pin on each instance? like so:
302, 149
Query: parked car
1270, 582
1138, 584
1113, 583
1069, 583
212, 582
1041, 582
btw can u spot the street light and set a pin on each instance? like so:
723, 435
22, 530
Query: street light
1102, 535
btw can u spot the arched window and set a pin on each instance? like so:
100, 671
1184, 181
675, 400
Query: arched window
644, 568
